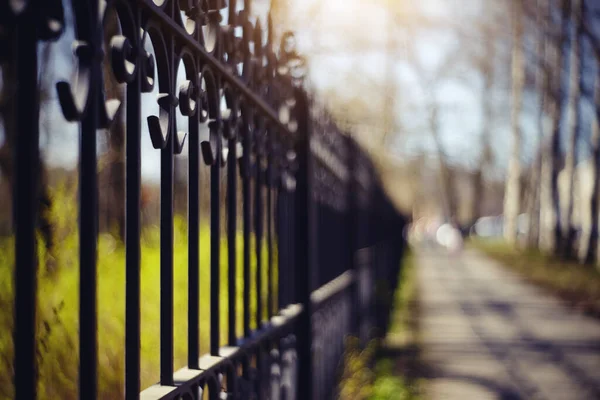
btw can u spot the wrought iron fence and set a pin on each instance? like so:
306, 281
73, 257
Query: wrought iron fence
308, 192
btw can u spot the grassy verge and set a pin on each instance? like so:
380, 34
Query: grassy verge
387, 369
577, 284
58, 305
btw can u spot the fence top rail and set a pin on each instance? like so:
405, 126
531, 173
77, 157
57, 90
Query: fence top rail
211, 366
333, 288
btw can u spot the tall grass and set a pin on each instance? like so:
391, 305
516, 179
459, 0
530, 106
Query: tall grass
58, 305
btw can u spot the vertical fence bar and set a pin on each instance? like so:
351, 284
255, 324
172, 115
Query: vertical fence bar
166, 243
258, 227
291, 247
231, 237
88, 214
246, 141
166, 263
193, 241
303, 249
88, 231
215, 218
281, 223
291, 295
25, 182
132, 232
269, 186
352, 213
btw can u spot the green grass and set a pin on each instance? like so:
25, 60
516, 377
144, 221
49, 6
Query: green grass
389, 385
378, 372
576, 283
394, 373
401, 324
58, 305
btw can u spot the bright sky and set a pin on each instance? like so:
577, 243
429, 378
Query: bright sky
325, 32
340, 25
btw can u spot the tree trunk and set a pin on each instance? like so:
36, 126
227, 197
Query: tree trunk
575, 76
557, 95
551, 161
547, 215
512, 191
591, 250
446, 177
478, 188
535, 210
485, 158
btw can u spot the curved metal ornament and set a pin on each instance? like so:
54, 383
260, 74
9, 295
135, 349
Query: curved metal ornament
87, 48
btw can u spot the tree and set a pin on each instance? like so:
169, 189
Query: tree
575, 82
486, 65
553, 63
590, 250
534, 211
513, 190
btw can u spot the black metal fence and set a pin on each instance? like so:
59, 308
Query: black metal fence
309, 193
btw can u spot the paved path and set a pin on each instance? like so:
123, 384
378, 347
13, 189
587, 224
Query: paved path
488, 335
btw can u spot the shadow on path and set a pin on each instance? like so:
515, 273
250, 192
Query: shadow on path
487, 334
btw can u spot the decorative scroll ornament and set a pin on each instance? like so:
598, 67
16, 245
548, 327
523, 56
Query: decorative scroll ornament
50, 16
75, 100
159, 126
48, 19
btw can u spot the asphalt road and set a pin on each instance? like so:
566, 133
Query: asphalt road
486, 334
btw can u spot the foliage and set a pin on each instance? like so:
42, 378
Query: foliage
357, 377
404, 300
58, 306
360, 380
390, 386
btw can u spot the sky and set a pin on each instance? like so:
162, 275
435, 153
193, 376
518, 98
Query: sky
341, 24
325, 32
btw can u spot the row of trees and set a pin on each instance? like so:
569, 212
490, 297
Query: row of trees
404, 101
554, 64
533, 65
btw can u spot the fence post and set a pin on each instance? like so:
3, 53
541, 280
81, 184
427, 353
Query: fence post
352, 238
25, 182
304, 250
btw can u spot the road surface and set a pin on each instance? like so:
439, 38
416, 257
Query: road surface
486, 334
